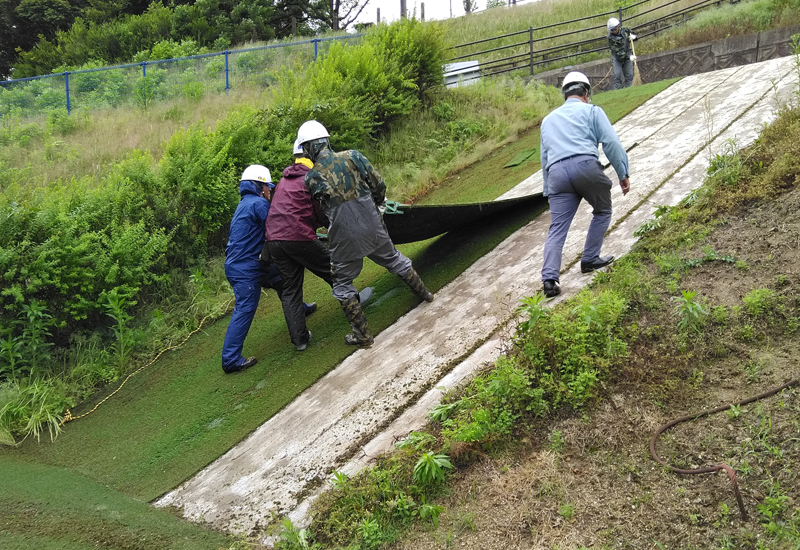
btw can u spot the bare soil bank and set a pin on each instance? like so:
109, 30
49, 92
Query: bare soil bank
589, 481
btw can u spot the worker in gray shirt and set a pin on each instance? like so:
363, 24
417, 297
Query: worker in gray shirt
571, 169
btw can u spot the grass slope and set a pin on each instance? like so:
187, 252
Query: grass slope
52, 508
180, 414
183, 412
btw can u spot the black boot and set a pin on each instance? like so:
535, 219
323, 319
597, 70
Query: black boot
361, 336
411, 278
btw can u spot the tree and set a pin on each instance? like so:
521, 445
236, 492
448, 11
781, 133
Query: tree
300, 16
470, 5
495, 4
342, 13
46, 16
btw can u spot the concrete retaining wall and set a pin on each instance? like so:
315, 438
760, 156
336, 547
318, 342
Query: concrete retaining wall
699, 58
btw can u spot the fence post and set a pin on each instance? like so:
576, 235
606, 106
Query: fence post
227, 73
316, 41
620, 14
66, 84
530, 43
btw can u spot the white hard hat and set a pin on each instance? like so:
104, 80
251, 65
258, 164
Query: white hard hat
256, 172
311, 130
298, 147
575, 78
613, 23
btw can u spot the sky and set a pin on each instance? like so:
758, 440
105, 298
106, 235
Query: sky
434, 9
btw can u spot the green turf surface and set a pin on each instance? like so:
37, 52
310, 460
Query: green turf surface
489, 178
45, 508
182, 413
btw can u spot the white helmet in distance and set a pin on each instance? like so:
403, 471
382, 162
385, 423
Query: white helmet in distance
310, 131
612, 24
256, 172
573, 80
298, 147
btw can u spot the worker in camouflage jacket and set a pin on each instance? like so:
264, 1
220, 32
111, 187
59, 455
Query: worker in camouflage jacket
350, 192
622, 58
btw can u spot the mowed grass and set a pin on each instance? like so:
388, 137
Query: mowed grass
177, 416
51, 508
182, 413
488, 179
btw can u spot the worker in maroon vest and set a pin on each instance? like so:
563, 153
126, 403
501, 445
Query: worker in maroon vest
292, 243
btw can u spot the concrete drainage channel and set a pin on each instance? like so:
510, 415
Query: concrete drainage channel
378, 395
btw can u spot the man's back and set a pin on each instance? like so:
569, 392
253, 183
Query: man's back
349, 189
246, 236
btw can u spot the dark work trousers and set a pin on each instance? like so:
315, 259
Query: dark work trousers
623, 73
292, 259
248, 294
386, 255
569, 181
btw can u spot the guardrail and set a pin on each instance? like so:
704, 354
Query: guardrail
147, 81
526, 55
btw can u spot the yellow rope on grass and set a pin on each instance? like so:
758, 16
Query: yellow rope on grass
68, 415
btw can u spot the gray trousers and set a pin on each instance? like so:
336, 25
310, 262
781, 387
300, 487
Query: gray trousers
623, 73
569, 181
344, 273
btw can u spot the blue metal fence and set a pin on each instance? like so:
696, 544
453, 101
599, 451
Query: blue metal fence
147, 81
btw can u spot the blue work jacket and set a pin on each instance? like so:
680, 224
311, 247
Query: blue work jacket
246, 237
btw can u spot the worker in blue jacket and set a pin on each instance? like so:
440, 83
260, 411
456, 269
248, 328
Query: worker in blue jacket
572, 172
244, 269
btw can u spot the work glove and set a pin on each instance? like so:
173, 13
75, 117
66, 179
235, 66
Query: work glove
633, 36
633, 58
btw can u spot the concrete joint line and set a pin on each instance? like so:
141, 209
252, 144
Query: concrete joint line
701, 149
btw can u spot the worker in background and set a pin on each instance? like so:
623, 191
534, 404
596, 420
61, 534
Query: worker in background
619, 41
571, 169
292, 243
245, 271
350, 191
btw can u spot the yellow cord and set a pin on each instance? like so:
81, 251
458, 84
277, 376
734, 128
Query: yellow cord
68, 415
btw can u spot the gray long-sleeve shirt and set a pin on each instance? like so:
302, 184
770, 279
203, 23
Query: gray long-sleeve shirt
576, 128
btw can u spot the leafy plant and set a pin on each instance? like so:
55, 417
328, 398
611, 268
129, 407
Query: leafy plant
532, 307
33, 407
116, 308
691, 312
371, 533
339, 479
556, 441
430, 468
759, 301
734, 412
567, 511
430, 512
418, 440
292, 538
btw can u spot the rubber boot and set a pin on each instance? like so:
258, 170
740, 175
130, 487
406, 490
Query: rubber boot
361, 336
365, 295
411, 278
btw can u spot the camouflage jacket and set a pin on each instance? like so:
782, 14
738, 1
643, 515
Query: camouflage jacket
349, 189
620, 44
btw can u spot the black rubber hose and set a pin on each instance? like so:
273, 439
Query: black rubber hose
717, 467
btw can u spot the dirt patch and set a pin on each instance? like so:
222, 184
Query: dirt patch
587, 479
